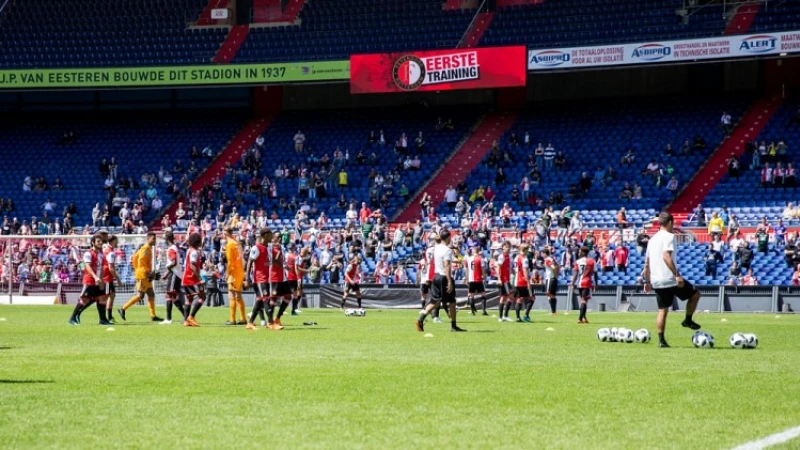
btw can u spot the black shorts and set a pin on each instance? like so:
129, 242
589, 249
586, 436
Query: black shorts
476, 287
198, 290
505, 289
261, 290
280, 289
293, 285
352, 287
666, 296
522, 292
608, 269
425, 288
551, 286
439, 291
585, 293
622, 268
110, 289
173, 283
92, 291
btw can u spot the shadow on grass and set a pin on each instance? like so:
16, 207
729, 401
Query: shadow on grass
6, 348
26, 381
304, 329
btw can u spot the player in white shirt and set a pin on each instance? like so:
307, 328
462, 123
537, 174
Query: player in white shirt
661, 275
443, 290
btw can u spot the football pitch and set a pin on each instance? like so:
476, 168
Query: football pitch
375, 382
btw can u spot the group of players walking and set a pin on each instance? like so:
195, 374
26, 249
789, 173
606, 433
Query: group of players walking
276, 277
520, 296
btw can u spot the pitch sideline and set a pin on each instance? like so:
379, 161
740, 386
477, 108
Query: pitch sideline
772, 439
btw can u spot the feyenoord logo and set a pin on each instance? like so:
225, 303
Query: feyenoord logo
408, 73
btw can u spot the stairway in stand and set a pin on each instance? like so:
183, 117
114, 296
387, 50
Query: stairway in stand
461, 162
233, 41
232, 153
748, 128
742, 19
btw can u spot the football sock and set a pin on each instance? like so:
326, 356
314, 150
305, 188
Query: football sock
508, 308
422, 303
295, 302
583, 311
484, 303
101, 310
151, 306
528, 308
169, 309
77, 310
359, 302
270, 312
344, 301
134, 300
689, 317
553, 305
502, 306
187, 307
242, 312
197, 305
518, 309
256, 309
84, 306
177, 303
436, 312
453, 324
661, 337
282, 308
232, 310
422, 316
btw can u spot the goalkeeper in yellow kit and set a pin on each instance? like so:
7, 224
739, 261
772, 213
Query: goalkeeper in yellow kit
143, 262
235, 270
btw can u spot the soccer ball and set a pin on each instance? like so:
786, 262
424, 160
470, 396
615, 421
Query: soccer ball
613, 336
603, 335
625, 335
738, 340
751, 340
642, 336
355, 312
701, 339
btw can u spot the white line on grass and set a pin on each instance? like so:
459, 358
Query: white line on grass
772, 439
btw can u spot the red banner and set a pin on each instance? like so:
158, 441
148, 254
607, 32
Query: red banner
438, 70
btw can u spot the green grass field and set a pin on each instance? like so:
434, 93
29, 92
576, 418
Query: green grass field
374, 382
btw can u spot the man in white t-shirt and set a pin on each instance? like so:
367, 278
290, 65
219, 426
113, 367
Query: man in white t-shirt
661, 275
443, 290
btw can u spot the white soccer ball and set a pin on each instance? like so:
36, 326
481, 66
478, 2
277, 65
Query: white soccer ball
613, 336
738, 340
625, 335
349, 312
642, 336
603, 335
751, 340
701, 339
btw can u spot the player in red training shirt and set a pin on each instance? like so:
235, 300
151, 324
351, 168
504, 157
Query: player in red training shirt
93, 286
585, 269
522, 283
503, 265
193, 286
174, 274
476, 274
280, 288
351, 279
258, 272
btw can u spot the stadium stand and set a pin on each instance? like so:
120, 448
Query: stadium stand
595, 22
96, 33
590, 136
348, 131
333, 29
777, 16
736, 192
141, 144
